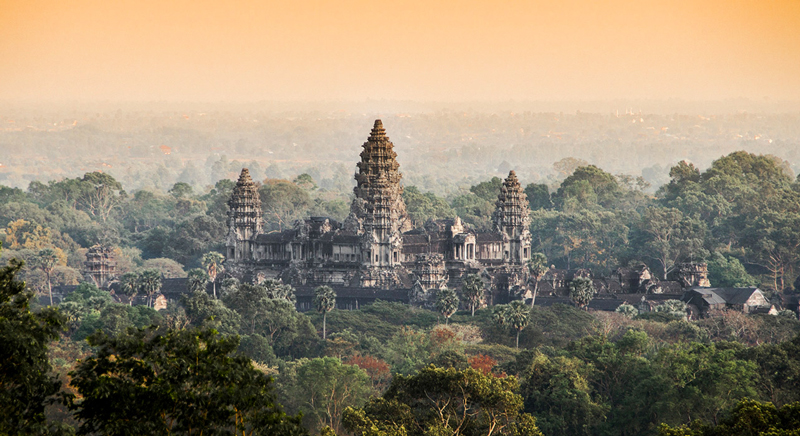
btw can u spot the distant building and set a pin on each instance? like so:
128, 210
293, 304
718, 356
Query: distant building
376, 252
100, 266
747, 300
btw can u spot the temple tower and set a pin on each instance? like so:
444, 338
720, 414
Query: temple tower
511, 217
378, 205
100, 266
244, 219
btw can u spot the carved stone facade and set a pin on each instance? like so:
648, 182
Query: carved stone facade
100, 267
377, 248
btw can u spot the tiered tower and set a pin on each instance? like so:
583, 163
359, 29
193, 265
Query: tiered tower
379, 206
100, 266
244, 218
512, 218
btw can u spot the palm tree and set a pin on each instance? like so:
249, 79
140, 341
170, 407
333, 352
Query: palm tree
129, 286
212, 262
517, 315
150, 283
581, 291
446, 303
325, 301
46, 260
473, 291
196, 280
537, 267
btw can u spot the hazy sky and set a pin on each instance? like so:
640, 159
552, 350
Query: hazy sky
411, 50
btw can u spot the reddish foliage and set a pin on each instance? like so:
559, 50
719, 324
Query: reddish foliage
439, 337
482, 363
377, 369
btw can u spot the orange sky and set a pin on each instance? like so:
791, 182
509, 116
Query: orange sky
453, 50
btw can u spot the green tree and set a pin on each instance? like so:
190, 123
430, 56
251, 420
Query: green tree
728, 272
324, 301
47, 259
26, 380
439, 401
196, 280
100, 194
581, 291
673, 307
446, 303
283, 202
212, 262
488, 190
667, 236
517, 316
325, 387
181, 190
279, 291
538, 196
423, 207
129, 286
748, 418
537, 268
557, 391
178, 382
473, 291
150, 284
627, 310
204, 311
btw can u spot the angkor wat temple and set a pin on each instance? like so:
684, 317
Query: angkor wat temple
376, 253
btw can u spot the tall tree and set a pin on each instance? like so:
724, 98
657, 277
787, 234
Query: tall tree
26, 380
446, 303
100, 194
212, 262
517, 316
150, 284
47, 259
473, 291
324, 301
325, 387
537, 268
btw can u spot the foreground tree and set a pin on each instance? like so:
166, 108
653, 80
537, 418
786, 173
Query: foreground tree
26, 382
446, 303
537, 268
212, 262
748, 418
324, 301
473, 291
438, 401
186, 382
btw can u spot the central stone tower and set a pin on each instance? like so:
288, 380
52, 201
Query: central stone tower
378, 212
512, 219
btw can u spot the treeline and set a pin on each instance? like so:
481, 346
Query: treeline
98, 366
741, 216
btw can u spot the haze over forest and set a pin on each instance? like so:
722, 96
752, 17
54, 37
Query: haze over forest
638, 274
441, 148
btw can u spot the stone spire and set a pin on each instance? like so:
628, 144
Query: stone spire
511, 214
379, 205
244, 215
